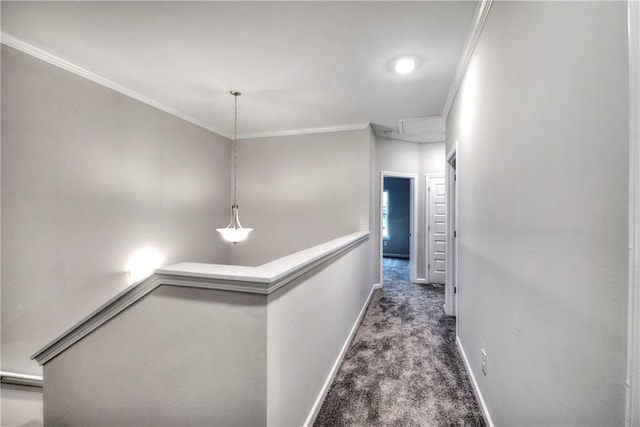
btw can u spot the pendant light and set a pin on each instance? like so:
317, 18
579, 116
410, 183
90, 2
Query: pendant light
235, 232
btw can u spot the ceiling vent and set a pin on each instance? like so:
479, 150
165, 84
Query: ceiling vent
429, 125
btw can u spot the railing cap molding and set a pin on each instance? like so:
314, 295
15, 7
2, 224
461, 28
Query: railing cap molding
263, 279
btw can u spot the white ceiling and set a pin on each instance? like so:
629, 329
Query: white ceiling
300, 65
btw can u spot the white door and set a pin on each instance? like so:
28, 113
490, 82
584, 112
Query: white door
437, 229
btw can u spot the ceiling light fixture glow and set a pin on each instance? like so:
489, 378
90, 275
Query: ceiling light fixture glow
404, 65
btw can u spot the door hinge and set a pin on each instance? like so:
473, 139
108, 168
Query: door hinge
455, 233
429, 266
455, 177
455, 290
428, 228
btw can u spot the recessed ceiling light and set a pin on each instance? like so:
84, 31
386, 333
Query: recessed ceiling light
404, 65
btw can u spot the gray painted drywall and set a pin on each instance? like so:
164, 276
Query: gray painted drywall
180, 356
407, 157
88, 177
300, 191
308, 323
21, 406
399, 190
541, 122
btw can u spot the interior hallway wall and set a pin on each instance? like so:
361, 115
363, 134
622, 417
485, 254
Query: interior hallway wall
301, 190
89, 176
407, 157
542, 125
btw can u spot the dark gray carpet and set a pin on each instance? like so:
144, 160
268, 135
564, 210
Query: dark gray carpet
403, 367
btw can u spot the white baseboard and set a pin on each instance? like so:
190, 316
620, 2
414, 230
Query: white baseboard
334, 370
476, 389
422, 281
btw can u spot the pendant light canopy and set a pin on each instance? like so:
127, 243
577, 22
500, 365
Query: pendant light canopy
235, 232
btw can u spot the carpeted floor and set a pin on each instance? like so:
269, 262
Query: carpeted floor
403, 367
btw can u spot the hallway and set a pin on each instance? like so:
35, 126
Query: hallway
403, 367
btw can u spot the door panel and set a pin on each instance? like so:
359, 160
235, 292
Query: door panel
437, 229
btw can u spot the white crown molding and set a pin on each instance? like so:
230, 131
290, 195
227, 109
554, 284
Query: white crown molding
470, 44
29, 49
305, 131
43, 55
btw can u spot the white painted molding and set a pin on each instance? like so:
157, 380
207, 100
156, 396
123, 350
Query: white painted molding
21, 379
377, 286
24, 47
422, 280
451, 272
470, 44
305, 131
633, 324
43, 55
476, 389
334, 370
264, 280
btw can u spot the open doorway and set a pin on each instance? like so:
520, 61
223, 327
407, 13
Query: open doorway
451, 271
398, 221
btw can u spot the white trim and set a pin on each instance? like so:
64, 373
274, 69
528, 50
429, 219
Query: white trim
413, 221
263, 280
36, 52
43, 55
451, 269
476, 389
21, 379
422, 281
633, 324
377, 286
334, 370
470, 44
305, 131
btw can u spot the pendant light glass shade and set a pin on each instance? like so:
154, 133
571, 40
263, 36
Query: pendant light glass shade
235, 232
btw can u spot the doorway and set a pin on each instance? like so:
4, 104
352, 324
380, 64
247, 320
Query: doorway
451, 270
398, 219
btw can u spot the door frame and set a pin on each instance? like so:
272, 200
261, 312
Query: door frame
413, 226
632, 417
427, 223
451, 269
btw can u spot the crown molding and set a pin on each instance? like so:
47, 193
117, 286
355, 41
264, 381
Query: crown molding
29, 49
469, 45
305, 131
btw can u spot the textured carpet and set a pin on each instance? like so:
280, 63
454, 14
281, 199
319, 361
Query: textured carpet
403, 367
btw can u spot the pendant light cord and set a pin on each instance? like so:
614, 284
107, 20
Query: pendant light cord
235, 154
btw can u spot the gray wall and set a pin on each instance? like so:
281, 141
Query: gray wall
399, 190
88, 177
300, 191
541, 120
407, 157
180, 356
308, 323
